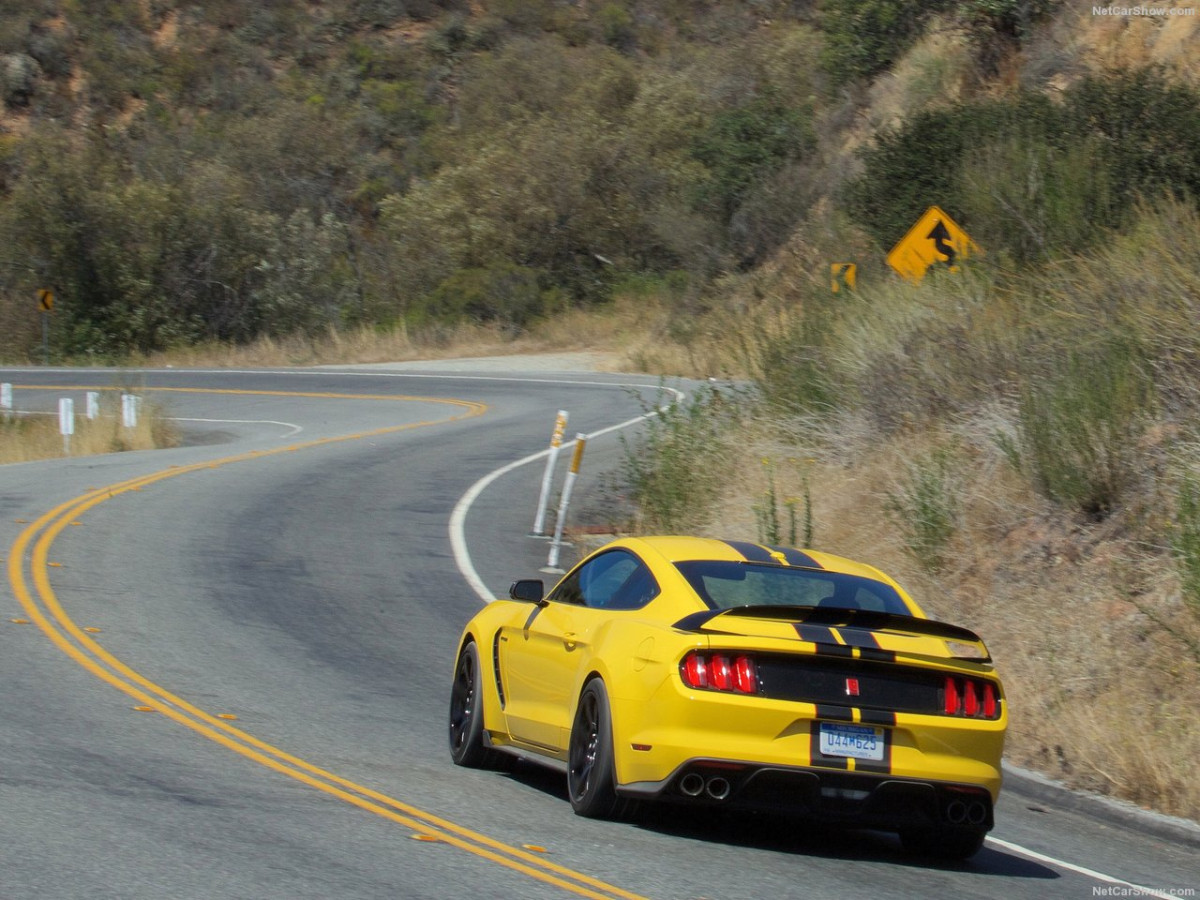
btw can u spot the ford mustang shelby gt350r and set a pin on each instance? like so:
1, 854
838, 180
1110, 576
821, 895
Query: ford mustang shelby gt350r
729, 673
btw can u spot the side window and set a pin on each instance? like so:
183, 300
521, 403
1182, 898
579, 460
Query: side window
615, 580
568, 590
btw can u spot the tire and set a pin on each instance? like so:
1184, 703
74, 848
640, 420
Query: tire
945, 843
466, 713
590, 774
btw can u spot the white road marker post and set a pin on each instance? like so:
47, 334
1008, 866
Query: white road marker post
560, 427
6, 397
129, 410
93, 405
556, 545
66, 422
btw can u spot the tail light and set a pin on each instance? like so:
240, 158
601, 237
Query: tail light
720, 675
719, 672
972, 698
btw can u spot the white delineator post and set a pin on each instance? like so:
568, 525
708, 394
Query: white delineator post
6, 396
129, 410
560, 427
568, 484
93, 404
66, 422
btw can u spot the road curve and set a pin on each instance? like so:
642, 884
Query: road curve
226, 666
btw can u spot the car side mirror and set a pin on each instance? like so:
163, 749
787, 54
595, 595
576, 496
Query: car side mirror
531, 590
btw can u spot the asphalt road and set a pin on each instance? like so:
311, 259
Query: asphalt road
226, 667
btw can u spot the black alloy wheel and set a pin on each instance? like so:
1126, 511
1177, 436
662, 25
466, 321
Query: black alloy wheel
466, 713
590, 778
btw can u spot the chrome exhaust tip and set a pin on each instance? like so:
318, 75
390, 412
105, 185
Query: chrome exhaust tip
692, 785
718, 788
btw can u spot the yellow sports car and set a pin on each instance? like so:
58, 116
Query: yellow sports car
727, 673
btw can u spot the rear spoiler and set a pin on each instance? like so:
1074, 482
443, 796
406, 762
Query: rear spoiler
849, 622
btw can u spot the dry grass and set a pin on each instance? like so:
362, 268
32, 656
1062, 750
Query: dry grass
28, 437
1099, 653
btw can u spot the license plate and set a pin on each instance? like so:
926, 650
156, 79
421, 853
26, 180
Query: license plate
857, 741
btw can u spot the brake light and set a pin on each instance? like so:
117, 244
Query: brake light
695, 671
721, 674
973, 698
951, 696
745, 675
717, 672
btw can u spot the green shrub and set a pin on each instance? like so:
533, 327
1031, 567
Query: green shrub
792, 368
504, 293
1185, 541
743, 145
1039, 178
927, 508
674, 471
864, 37
1079, 424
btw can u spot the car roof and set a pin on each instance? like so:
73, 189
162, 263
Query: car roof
680, 548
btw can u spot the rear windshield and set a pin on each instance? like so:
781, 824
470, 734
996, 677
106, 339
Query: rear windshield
724, 585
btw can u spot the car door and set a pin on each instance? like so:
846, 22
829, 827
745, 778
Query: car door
542, 657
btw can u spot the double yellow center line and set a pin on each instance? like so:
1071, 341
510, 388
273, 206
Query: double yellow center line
36, 596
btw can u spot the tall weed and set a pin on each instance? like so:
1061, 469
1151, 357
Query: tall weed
1185, 541
1079, 426
674, 472
926, 508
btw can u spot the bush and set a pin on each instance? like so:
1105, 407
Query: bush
1041, 179
743, 145
926, 508
1185, 542
864, 37
1079, 425
674, 472
503, 293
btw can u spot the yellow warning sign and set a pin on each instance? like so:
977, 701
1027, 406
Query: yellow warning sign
842, 275
934, 240
45, 298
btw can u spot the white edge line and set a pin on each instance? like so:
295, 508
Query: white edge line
295, 429
458, 518
1134, 889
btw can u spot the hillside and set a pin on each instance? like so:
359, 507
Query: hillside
1017, 439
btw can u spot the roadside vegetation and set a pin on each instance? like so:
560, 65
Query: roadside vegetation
1017, 440
28, 436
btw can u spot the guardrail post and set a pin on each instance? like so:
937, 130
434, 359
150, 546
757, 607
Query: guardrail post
66, 422
557, 544
129, 410
560, 427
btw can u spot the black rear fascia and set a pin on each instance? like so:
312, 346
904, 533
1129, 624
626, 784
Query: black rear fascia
823, 681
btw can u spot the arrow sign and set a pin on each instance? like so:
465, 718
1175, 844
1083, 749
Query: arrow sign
45, 298
934, 240
842, 274
940, 235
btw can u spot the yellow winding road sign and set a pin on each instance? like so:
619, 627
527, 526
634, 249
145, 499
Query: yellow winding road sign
934, 240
